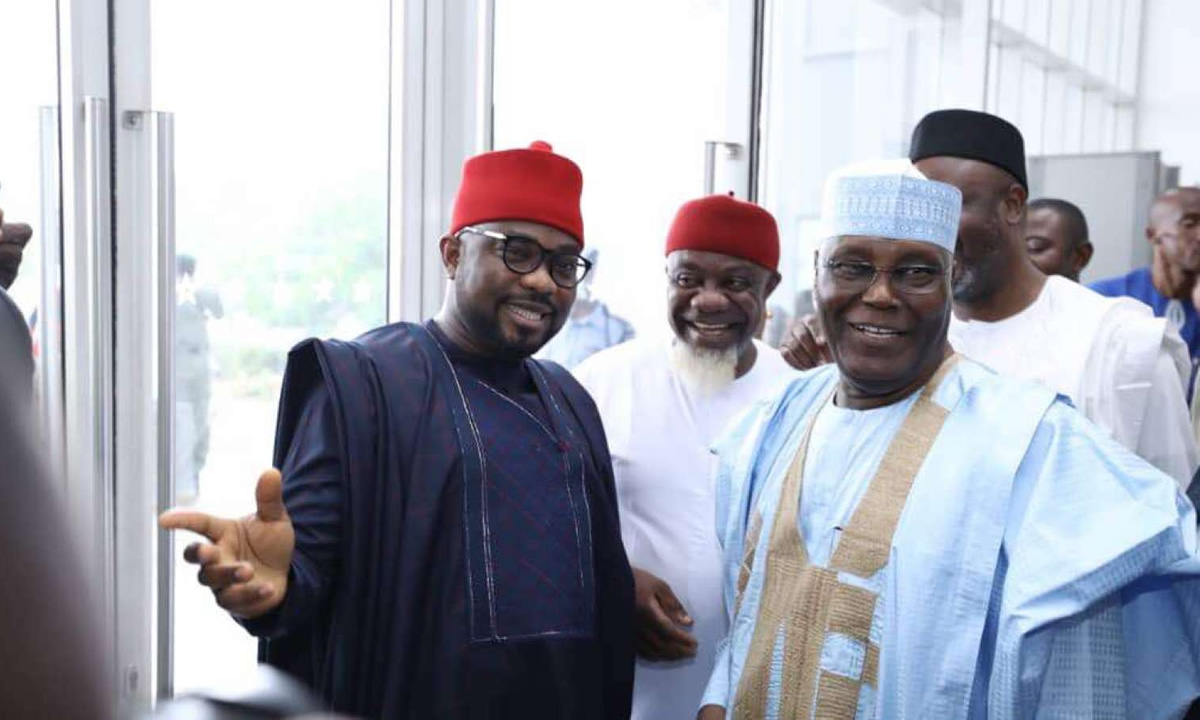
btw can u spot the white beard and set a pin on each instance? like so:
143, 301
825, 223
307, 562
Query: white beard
706, 371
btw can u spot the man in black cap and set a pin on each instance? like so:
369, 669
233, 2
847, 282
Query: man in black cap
1118, 364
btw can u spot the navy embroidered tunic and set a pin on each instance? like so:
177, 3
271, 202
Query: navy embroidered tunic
458, 553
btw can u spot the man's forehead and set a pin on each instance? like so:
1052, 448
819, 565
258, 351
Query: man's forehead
1172, 204
706, 259
963, 172
1046, 217
1188, 199
884, 246
550, 237
951, 165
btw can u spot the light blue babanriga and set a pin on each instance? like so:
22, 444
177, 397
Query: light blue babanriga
1038, 570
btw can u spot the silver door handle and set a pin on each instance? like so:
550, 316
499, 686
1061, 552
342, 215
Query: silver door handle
164, 269
731, 149
50, 305
98, 272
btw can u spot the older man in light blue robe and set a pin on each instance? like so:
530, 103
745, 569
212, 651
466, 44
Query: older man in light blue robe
908, 535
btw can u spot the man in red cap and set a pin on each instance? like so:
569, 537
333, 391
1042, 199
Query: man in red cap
663, 405
441, 540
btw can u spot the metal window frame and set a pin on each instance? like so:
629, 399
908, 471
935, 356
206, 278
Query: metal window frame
440, 116
88, 415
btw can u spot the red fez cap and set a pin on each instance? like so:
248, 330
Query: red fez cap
531, 184
723, 224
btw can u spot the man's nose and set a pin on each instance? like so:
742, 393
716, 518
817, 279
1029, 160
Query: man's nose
710, 300
880, 292
539, 280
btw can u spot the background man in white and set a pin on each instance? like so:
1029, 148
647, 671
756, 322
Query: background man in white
663, 403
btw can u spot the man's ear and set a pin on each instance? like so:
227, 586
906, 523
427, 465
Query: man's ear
1014, 204
1084, 253
772, 283
1150, 236
451, 249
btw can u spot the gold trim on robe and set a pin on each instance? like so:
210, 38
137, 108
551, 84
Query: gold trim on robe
802, 603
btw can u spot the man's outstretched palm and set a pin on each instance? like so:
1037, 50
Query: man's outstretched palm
246, 564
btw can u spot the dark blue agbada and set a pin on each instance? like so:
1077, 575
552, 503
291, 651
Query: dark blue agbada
458, 553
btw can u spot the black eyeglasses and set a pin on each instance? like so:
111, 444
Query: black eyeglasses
908, 279
523, 255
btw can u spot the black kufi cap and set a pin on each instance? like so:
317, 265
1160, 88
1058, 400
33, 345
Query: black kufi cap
972, 135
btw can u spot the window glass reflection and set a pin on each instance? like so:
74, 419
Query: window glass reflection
29, 83
281, 231
634, 118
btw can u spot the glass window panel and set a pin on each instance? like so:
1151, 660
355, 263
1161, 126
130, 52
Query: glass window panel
1013, 13
1130, 44
995, 75
1117, 35
635, 119
1108, 138
925, 52
1033, 87
1037, 21
1094, 122
1102, 34
837, 27
29, 78
1089, 130
281, 191
1062, 17
1078, 34
1124, 128
1055, 115
1073, 120
1009, 76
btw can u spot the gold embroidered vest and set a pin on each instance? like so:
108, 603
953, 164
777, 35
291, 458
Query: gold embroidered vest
802, 604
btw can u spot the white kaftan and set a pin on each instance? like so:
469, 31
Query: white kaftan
659, 433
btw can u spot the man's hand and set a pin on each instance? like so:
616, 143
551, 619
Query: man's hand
13, 238
804, 347
711, 712
659, 615
246, 566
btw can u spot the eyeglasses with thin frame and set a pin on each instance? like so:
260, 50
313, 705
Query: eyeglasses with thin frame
523, 255
855, 276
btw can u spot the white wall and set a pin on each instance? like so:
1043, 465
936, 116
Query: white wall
1169, 94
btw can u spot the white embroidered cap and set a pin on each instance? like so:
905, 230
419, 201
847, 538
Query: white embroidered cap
891, 199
